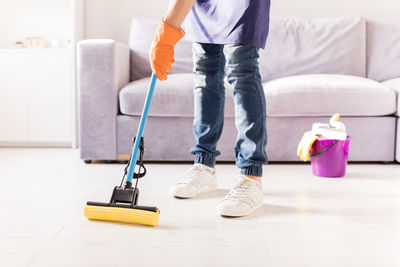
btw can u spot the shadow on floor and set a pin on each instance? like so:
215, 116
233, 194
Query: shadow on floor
219, 193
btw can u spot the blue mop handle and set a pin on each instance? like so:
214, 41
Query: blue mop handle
142, 123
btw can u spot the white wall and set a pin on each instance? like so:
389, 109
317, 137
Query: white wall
111, 18
22, 18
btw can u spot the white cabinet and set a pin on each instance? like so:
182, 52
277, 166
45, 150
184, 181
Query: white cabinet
37, 87
36, 97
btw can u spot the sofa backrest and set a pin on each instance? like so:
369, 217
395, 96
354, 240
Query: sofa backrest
294, 46
142, 34
312, 46
383, 50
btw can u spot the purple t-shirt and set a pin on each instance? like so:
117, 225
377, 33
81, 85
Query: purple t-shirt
229, 22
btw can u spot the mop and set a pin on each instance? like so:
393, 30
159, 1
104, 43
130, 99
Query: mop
123, 204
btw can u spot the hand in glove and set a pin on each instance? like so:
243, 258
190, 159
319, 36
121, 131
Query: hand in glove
162, 49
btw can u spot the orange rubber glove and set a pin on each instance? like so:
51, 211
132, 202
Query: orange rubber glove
162, 49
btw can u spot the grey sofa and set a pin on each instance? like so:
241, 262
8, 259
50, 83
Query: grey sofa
311, 69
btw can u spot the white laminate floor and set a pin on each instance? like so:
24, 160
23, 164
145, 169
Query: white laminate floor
305, 221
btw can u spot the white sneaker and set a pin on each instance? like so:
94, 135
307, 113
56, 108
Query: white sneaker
199, 179
245, 197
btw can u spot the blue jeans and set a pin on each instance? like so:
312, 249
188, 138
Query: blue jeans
241, 65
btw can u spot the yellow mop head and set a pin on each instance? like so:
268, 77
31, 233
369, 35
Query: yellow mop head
117, 214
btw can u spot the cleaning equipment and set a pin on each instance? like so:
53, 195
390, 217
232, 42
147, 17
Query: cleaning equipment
123, 204
328, 147
329, 157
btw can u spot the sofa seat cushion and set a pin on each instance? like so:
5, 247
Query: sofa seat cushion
326, 94
171, 98
394, 84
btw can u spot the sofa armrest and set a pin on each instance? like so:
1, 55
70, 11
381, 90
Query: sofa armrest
394, 84
103, 69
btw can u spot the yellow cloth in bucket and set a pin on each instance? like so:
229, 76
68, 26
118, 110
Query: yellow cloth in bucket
304, 147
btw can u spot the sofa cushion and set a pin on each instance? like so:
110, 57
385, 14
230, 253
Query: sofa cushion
383, 50
394, 84
309, 46
295, 96
141, 36
171, 98
326, 94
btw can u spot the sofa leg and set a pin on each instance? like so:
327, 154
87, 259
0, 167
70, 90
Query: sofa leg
87, 161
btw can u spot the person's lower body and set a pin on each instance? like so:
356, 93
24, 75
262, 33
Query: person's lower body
241, 65
241, 62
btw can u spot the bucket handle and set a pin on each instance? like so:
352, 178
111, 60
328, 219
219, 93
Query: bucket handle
324, 151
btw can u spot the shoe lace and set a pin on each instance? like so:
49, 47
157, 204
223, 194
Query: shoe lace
193, 173
240, 190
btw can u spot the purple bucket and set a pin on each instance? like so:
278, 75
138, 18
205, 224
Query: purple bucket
329, 157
